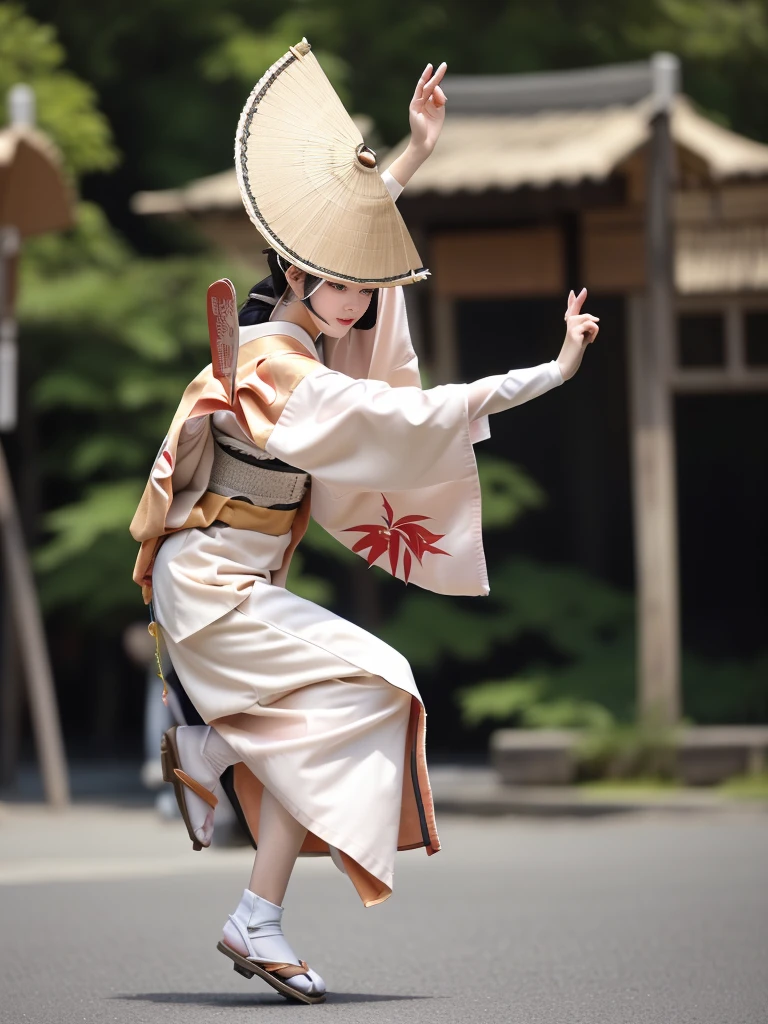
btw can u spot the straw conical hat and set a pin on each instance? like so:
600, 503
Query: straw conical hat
311, 186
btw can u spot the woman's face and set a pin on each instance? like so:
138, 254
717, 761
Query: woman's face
339, 305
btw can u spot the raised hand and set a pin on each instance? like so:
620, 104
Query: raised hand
426, 112
580, 330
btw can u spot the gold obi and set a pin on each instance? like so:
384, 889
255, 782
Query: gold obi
241, 515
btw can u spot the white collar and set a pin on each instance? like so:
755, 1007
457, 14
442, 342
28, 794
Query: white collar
305, 338
253, 331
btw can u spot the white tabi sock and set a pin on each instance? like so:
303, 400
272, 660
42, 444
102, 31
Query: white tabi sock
255, 931
204, 755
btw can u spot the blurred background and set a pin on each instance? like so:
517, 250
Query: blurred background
619, 146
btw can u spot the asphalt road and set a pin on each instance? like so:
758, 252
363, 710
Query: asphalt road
659, 920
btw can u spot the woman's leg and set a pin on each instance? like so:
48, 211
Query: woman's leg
334, 754
255, 931
280, 839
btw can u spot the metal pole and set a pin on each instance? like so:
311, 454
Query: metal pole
656, 504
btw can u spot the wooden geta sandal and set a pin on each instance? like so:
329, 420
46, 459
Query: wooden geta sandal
172, 772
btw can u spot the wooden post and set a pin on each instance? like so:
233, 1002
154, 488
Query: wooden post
19, 587
10, 694
30, 635
652, 333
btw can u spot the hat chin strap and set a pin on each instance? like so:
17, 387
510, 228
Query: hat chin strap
306, 298
307, 302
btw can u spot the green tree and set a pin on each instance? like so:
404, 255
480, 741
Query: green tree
67, 106
172, 76
111, 349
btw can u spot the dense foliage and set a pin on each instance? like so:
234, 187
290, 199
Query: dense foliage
171, 75
146, 96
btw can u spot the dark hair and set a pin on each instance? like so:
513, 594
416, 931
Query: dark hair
262, 298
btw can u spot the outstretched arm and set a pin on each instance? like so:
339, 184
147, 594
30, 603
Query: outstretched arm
361, 433
504, 391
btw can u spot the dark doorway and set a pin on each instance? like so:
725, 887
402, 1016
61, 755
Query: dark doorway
573, 441
722, 475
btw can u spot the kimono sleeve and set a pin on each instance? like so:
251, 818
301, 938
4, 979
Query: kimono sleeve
363, 434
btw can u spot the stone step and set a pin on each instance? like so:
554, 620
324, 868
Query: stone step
704, 755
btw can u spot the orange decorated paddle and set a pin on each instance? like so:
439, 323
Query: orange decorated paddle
224, 333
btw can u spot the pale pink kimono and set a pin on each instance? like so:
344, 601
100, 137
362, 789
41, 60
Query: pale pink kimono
324, 714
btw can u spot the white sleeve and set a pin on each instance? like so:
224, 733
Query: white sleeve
506, 390
364, 434
393, 185
355, 433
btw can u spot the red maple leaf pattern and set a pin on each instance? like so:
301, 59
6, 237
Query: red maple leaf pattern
406, 532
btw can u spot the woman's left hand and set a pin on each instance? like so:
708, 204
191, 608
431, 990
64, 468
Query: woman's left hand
426, 112
581, 329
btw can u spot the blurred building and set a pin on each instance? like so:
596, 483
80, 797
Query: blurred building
656, 459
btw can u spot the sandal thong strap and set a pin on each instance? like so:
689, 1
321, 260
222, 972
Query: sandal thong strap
194, 785
294, 970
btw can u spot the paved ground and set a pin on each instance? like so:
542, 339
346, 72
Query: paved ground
654, 919
457, 789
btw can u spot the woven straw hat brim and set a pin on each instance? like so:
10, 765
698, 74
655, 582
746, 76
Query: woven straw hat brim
304, 188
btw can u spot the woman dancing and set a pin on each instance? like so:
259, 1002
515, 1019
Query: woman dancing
322, 720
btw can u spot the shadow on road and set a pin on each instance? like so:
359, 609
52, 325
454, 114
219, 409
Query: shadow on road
233, 1000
